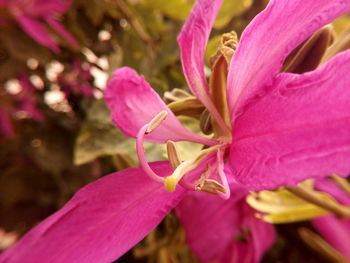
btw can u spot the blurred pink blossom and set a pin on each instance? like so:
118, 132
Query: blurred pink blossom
23, 105
77, 80
35, 15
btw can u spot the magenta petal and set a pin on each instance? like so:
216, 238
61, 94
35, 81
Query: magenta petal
263, 235
101, 222
336, 231
212, 226
52, 8
134, 103
26, 99
37, 31
258, 236
193, 41
330, 187
298, 130
210, 223
268, 40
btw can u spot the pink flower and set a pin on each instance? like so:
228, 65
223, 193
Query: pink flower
278, 129
31, 15
77, 80
26, 101
224, 230
22, 104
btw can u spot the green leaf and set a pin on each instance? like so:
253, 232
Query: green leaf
176, 9
212, 47
229, 10
99, 137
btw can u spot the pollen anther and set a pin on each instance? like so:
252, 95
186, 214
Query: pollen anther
156, 121
173, 154
210, 186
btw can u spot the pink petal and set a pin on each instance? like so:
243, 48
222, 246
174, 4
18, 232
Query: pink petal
336, 231
134, 103
330, 187
300, 129
212, 225
258, 240
39, 8
101, 222
45, 7
193, 41
268, 40
37, 31
62, 31
26, 99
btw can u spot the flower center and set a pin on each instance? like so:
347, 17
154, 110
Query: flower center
183, 169
205, 171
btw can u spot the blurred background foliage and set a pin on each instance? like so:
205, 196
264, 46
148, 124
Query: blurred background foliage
55, 131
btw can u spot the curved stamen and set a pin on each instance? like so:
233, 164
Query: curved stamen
144, 164
222, 176
148, 128
141, 155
